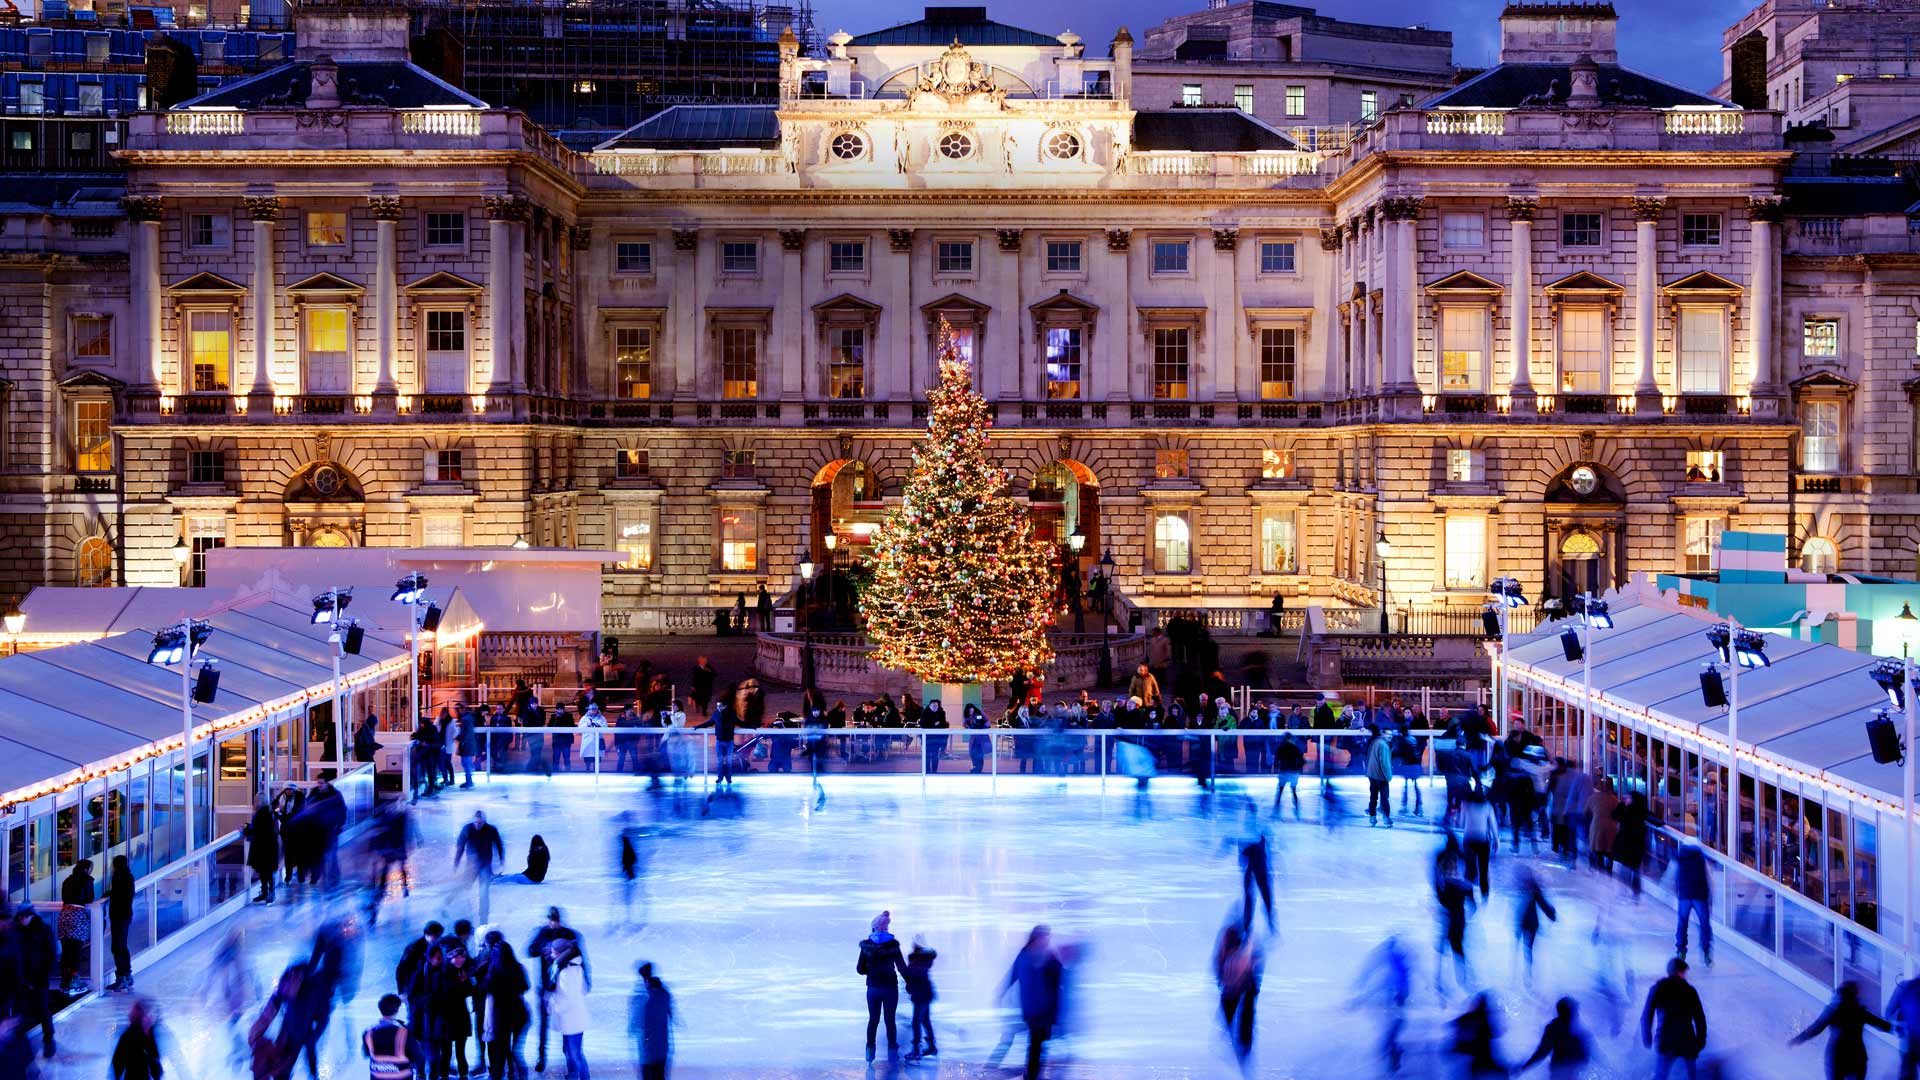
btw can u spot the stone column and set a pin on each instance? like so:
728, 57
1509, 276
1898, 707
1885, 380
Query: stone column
265, 211
1331, 343
506, 273
789, 324
1402, 214
1646, 286
148, 298
386, 297
690, 332
1764, 287
999, 373
894, 368
1231, 379
1520, 314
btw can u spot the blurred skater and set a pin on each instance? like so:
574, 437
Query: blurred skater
1237, 964
136, 1054
1455, 899
1847, 1021
1476, 1040
1903, 1012
480, 841
1533, 904
1036, 977
650, 1019
1673, 1023
920, 992
1387, 982
1255, 876
1563, 1045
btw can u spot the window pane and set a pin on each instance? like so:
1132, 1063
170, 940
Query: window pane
847, 366
1063, 256
633, 361
739, 257
1170, 256
446, 230
1190, 94
1700, 230
1821, 337
1462, 230
1170, 363
327, 350
1820, 436
1243, 97
1702, 351
633, 257
326, 228
1462, 348
209, 344
446, 352
1580, 230
1296, 101
93, 337
846, 257
1277, 362
1701, 535
739, 362
1369, 104
1466, 552
1276, 257
1276, 545
739, 540
633, 537
92, 437
1171, 552
955, 257
1063, 362
1583, 351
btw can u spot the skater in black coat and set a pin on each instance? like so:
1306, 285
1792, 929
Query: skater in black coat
882, 964
263, 850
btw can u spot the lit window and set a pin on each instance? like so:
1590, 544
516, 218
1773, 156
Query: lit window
1172, 547
1459, 230
633, 361
1243, 97
1466, 552
1703, 350
737, 465
633, 537
1583, 350
33, 98
739, 362
630, 464
446, 351
1063, 256
1277, 544
1170, 256
1296, 101
207, 231
847, 363
1276, 464
739, 540
1819, 555
209, 350
1820, 437
443, 530
1191, 94
1463, 348
92, 100
1580, 230
1170, 363
739, 257
22, 139
846, 257
1063, 362
446, 230
1703, 466
1277, 357
1464, 467
633, 257
93, 563
1276, 256
1169, 464
326, 228
92, 338
206, 467
204, 533
93, 436
327, 351
954, 256
1700, 230
1820, 337
1700, 536
445, 467
1369, 104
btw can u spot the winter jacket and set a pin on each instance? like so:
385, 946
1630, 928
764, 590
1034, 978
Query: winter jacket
1683, 1023
1477, 823
1903, 1010
920, 974
880, 961
567, 1004
1380, 759
1690, 873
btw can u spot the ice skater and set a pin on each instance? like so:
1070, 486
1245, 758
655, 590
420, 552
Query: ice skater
1476, 1039
1237, 967
1037, 976
883, 965
1480, 836
1256, 875
1673, 1011
651, 1020
1387, 982
1847, 1021
1289, 758
481, 841
1563, 1045
547, 944
920, 992
1533, 904
136, 1054
1693, 894
1455, 899
1903, 1012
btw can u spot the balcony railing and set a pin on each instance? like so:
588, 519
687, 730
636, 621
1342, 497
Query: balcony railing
1466, 122
205, 122
1706, 122
461, 122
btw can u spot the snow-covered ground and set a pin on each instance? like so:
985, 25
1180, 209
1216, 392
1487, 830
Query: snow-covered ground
752, 914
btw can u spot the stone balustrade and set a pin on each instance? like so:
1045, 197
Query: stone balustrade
843, 663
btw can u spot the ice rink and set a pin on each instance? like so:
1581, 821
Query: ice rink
752, 915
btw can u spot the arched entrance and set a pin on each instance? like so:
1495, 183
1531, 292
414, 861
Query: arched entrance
848, 503
326, 507
1064, 498
1583, 550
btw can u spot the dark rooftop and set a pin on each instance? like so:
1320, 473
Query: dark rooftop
79, 194
1214, 131
388, 84
1846, 196
701, 127
942, 25
1511, 86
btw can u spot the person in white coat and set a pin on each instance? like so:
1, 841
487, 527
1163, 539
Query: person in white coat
592, 722
567, 1006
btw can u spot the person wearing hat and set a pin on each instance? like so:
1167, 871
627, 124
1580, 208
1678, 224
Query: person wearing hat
1673, 1024
546, 944
883, 964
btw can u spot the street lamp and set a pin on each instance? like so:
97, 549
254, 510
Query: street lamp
1738, 648
181, 554
806, 624
520, 543
832, 540
411, 591
1897, 677
16, 621
1383, 548
327, 607
1106, 621
1505, 594
179, 644
1076, 542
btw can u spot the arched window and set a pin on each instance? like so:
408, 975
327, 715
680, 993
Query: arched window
1580, 545
1819, 555
93, 563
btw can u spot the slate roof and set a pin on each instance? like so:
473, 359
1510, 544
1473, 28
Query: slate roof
388, 83
701, 127
941, 25
76, 195
1509, 86
1848, 196
1217, 131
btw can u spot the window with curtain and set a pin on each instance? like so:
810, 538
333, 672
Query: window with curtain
446, 351
1463, 348
739, 362
1277, 544
1277, 357
328, 356
1172, 546
633, 361
1583, 351
847, 362
633, 537
1170, 362
739, 540
1703, 351
1466, 552
93, 436
210, 351
1063, 363
1820, 436
1699, 537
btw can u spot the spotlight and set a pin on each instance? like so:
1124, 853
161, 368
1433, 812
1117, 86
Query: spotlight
178, 642
1891, 676
1750, 648
1597, 616
1719, 637
328, 605
1490, 621
1712, 690
1507, 590
1884, 740
408, 589
1570, 645
430, 618
351, 636
208, 682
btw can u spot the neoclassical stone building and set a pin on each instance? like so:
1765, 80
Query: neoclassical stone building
1534, 326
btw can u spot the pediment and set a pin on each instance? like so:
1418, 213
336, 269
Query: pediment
91, 380
953, 302
1465, 283
207, 283
324, 284
1823, 380
843, 309
1702, 283
1586, 282
444, 282
1062, 308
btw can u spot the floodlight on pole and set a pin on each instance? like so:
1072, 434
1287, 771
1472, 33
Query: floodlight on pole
1891, 676
409, 589
328, 605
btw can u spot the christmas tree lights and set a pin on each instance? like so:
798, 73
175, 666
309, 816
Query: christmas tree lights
961, 589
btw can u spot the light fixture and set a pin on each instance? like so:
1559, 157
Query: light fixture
520, 543
1906, 613
1570, 646
1597, 615
1713, 691
181, 553
170, 646
1747, 647
806, 570
328, 605
15, 619
832, 541
1382, 547
352, 635
1891, 676
1490, 621
1884, 740
409, 589
1507, 591
1106, 563
1076, 540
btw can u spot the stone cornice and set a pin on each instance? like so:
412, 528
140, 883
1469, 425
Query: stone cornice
242, 163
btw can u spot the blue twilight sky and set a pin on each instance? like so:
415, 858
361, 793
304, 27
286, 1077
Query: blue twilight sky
1681, 46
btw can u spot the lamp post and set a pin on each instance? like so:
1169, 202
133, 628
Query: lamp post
1506, 595
411, 592
16, 621
1076, 541
1106, 620
326, 612
832, 541
806, 624
520, 543
179, 644
1739, 647
1383, 548
1896, 677
182, 554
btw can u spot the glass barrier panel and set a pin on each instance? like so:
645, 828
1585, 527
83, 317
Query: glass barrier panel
1867, 964
228, 868
1751, 910
1807, 941
140, 931
176, 899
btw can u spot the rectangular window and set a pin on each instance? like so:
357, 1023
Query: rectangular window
1463, 348
446, 229
630, 464
1820, 436
446, 351
633, 257
1063, 363
1820, 337
1700, 537
1172, 544
847, 257
1296, 101
328, 365
1583, 350
633, 537
326, 228
33, 98
209, 350
208, 231
1170, 256
1191, 94
92, 338
1579, 230
1463, 230
1464, 467
739, 257
1703, 350
1369, 104
737, 465
1063, 256
1466, 552
93, 99
22, 139
740, 540
204, 533
1170, 363
1703, 466
1277, 544
739, 362
1243, 97
633, 361
1276, 464
1700, 230
1276, 256
443, 530
1169, 464
1277, 357
954, 256
445, 467
847, 363
93, 436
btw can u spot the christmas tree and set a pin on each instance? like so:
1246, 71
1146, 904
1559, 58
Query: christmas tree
961, 589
